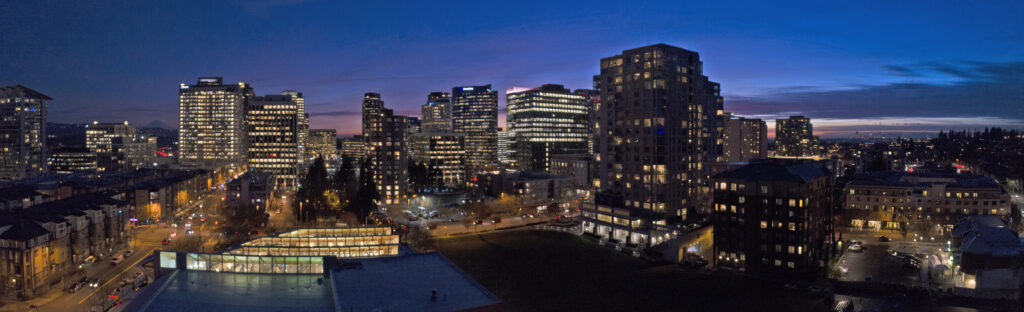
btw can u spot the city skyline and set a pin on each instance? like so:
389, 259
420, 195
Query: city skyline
910, 74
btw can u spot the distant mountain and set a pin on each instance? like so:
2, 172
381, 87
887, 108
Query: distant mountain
158, 124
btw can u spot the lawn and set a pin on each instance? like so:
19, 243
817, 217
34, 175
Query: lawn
551, 271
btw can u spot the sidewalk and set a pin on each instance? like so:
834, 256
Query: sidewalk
37, 301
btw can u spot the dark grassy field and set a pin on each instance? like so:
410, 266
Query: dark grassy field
550, 271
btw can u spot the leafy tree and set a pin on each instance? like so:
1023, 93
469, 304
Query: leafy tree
310, 197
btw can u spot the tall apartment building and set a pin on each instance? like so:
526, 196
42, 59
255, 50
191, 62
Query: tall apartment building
744, 139
545, 121
211, 122
773, 216
322, 143
649, 148
22, 132
303, 117
475, 113
794, 137
437, 113
385, 136
110, 142
142, 152
272, 122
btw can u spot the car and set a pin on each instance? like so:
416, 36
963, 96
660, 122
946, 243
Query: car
884, 238
854, 242
116, 260
856, 247
432, 226
164, 242
77, 285
478, 222
129, 253
90, 259
844, 269
496, 220
893, 252
93, 282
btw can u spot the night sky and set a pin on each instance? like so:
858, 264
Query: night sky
892, 66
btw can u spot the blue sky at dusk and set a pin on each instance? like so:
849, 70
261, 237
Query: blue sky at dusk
897, 67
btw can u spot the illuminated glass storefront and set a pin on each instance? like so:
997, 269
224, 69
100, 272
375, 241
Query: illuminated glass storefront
244, 263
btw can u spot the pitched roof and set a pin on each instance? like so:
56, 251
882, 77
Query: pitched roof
22, 229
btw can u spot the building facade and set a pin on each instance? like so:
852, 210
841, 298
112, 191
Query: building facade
273, 124
891, 200
303, 119
211, 122
110, 142
386, 144
475, 113
323, 143
649, 148
353, 148
70, 160
794, 137
744, 139
773, 216
445, 159
22, 132
437, 113
545, 121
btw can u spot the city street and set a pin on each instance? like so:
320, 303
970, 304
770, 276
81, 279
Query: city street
145, 239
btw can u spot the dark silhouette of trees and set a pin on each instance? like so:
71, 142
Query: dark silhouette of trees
310, 199
365, 200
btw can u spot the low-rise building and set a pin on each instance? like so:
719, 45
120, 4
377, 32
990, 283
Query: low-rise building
252, 189
891, 200
988, 258
43, 245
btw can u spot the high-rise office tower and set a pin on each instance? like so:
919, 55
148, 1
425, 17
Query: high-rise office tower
545, 121
475, 113
445, 157
354, 148
437, 113
211, 122
744, 139
110, 141
649, 146
273, 123
387, 148
794, 137
323, 143
142, 152
22, 132
591, 98
303, 117
504, 152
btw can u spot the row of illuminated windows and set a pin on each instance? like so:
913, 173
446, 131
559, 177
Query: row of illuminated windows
244, 263
326, 232
341, 252
338, 241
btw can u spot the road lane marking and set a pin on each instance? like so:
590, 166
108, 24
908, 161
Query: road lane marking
113, 278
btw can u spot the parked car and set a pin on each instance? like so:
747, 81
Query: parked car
164, 242
129, 253
884, 238
496, 220
116, 260
856, 247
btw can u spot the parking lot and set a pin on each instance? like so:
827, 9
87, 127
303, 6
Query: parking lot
874, 263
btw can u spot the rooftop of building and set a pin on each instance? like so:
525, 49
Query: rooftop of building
776, 170
924, 179
21, 91
533, 175
17, 192
987, 235
18, 228
406, 283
